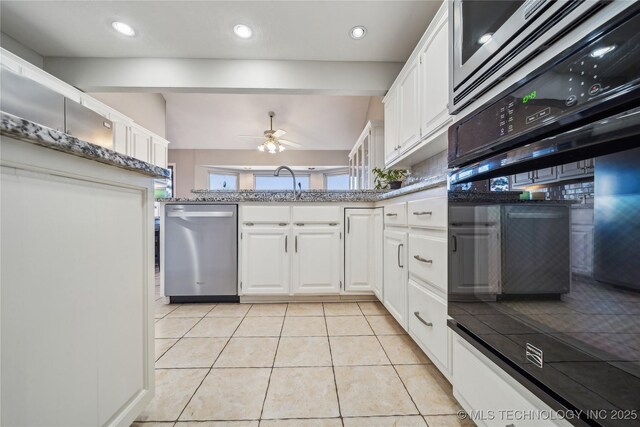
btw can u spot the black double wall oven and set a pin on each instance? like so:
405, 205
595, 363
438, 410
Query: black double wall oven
562, 318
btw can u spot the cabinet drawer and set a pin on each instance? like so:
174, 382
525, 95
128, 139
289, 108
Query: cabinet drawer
395, 214
428, 321
316, 214
266, 214
428, 260
430, 212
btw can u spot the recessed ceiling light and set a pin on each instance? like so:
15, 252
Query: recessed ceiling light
243, 31
485, 38
358, 32
123, 28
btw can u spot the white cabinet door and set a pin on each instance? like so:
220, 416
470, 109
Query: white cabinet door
120, 134
265, 260
358, 250
139, 144
409, 114
378, 253
391, 131
159, 151
316, 260
434, 76
395, 275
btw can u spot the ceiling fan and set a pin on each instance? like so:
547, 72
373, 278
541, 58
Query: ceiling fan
273, 144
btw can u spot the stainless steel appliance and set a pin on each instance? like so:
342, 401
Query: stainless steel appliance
492, 39
201, 252
577, 349
30, 100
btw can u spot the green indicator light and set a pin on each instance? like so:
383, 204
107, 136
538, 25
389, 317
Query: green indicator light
529, 97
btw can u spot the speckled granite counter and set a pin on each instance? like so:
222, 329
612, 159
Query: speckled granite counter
33, 133
505, 197
317, 196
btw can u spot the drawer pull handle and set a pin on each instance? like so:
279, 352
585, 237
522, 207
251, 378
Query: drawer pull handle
417, 314
419, 258
423, 213
392, 214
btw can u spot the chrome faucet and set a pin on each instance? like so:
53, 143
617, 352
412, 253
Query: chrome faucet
296, 193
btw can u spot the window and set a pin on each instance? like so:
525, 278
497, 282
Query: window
223, 181
270, 182
336, 181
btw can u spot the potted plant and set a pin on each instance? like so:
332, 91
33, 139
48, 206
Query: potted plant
390, 178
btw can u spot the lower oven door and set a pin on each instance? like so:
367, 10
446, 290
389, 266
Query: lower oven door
545, 273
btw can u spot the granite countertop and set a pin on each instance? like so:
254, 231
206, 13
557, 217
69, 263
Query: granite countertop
34, 133
503, 197
318, 196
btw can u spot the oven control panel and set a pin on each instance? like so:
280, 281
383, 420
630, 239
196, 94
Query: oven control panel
608, 66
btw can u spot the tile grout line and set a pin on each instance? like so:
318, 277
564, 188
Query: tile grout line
394, 367
266, 392
333, 367
214, 362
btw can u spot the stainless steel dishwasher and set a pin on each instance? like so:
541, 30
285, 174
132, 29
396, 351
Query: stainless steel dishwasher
201, 252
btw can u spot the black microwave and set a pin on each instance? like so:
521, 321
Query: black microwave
490, 40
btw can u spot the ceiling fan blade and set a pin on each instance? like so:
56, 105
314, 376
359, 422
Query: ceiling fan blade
251, 136
279, 133
289, 143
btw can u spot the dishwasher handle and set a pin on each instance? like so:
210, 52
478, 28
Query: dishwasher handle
182, 214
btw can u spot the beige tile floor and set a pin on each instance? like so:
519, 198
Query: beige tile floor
292, 365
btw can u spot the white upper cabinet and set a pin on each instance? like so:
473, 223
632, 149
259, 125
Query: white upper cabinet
139, 145
416, 106
434, 75
409, 113
316, 260
391, 134
265, 260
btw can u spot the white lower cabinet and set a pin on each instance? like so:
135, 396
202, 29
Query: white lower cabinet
316, 260
360, 272
490, 395
378, 253
395, 274
427, 321
265, 260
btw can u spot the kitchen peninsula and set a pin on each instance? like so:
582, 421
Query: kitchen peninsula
77, 279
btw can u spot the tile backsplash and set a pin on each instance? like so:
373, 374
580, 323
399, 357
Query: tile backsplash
577, 190
435, 165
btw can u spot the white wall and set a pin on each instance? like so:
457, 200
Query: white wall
17, 48
149, 110
376, 109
